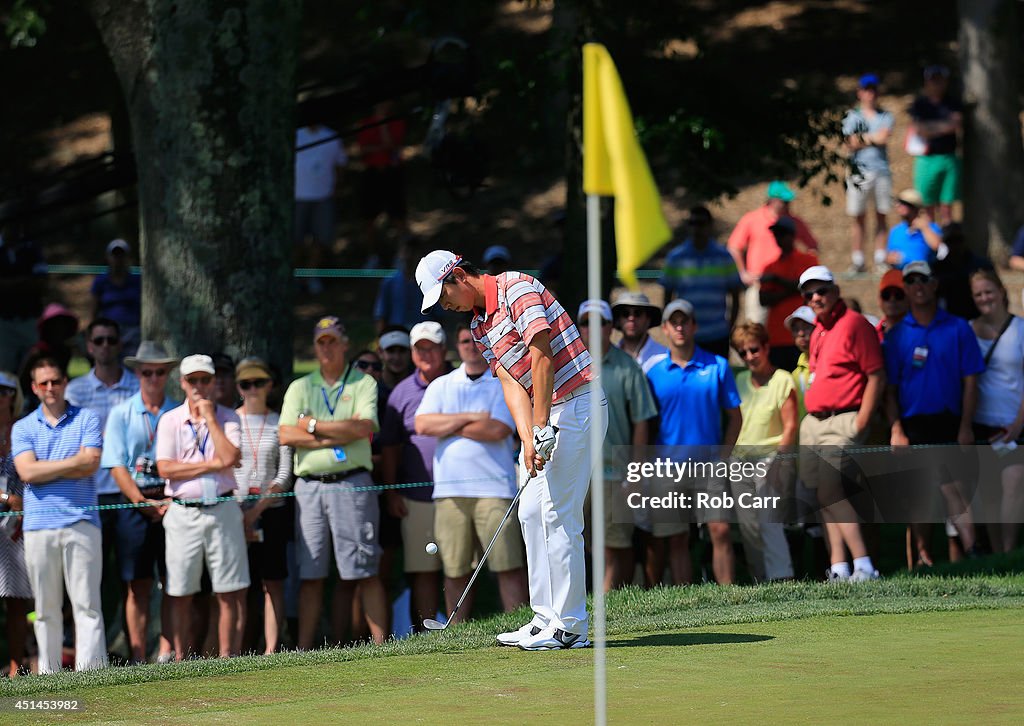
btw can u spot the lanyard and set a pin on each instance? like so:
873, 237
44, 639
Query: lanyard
195, 434
323, 392
150, 429
254, 446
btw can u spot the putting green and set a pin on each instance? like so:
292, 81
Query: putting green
914, 668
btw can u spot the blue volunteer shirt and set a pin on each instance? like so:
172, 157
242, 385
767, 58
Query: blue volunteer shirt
691, 398
705, 278
911, 245
928, 364
131, 433
59, 503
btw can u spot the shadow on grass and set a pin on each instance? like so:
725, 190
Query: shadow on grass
660, 639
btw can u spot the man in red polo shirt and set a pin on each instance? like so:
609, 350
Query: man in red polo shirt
536, 352
847, 374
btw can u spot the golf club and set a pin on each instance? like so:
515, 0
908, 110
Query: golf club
430, 623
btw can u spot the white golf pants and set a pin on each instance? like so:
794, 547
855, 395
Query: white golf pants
551, 514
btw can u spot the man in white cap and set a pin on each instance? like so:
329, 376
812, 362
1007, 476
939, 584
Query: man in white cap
630, 408
633, 314
847, 381
408, 457
197, 448
535, 350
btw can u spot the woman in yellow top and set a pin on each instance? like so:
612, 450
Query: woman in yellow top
769, 408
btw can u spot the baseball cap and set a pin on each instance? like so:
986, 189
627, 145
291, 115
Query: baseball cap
817, 272
251, 369
801, 313
497, 252
917, 267
599, 305
936, 71
8, 381
892, 278
395, 337
118, 244
430, 274
197, 364
328, 325
427, 330
868, 80
781, 190
677, 306
222, 362
784, 224
911, 197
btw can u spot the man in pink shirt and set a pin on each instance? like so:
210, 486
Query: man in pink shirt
197, 449
753, 246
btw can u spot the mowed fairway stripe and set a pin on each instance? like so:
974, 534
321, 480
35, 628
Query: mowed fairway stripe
915, 668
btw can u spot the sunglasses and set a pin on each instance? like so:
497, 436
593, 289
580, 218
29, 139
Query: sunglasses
915, 280
199, 380
823, 291
105, 340
679, 322
893, 294
150, 372
5, 391
367, 365
257, 383
467, 341
744, 352
55, 383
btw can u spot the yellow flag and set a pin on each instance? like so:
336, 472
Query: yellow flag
615, 165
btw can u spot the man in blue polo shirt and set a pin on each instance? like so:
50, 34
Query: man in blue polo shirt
692, 388
916, 237
129, 456
56, 451
932, 360
703, 271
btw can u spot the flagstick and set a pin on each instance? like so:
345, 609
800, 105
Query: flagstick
597, 502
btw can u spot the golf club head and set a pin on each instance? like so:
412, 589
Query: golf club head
431, 624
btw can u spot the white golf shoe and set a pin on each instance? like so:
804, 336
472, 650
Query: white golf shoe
554, 639
512, 638
864, 575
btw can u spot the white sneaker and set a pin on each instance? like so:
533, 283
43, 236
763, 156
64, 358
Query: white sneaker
512, 638
555, 639
864, 575
832, 576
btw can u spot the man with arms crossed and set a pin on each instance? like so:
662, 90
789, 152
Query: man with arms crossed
536, 352
197, 448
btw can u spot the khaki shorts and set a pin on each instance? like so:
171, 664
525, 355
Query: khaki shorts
417, 531
214, 534
464, 527
823, 463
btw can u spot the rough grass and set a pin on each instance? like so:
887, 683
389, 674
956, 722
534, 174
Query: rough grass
630, 611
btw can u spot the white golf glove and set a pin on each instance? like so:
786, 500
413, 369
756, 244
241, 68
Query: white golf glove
544, 441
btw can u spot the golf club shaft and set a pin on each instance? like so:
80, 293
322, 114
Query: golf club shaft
483, 559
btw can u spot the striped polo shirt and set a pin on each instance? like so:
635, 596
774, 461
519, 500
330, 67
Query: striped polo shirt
517, 307
705, 278
58, 503
90, 392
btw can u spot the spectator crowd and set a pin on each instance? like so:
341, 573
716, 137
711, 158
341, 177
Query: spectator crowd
267, 521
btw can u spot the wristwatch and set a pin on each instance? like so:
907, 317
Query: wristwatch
311, 426
4, 497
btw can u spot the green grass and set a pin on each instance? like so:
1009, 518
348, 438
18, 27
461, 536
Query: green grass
774, 646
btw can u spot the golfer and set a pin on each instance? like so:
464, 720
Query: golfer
536, 352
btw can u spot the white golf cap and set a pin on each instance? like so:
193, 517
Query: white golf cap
395, 337
801, 313
118, 244
817, 272
677, 306
428, 330
430, 272
917, 267
599, 305
197, 364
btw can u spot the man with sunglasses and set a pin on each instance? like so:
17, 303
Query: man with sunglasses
129, 457
633, 315
56, 451
198, 445
105, 385
704, 272
933, 362
847, 381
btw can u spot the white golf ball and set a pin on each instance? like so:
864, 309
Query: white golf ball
431, 548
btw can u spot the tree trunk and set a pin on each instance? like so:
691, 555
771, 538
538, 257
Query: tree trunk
210, 91
993, 179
